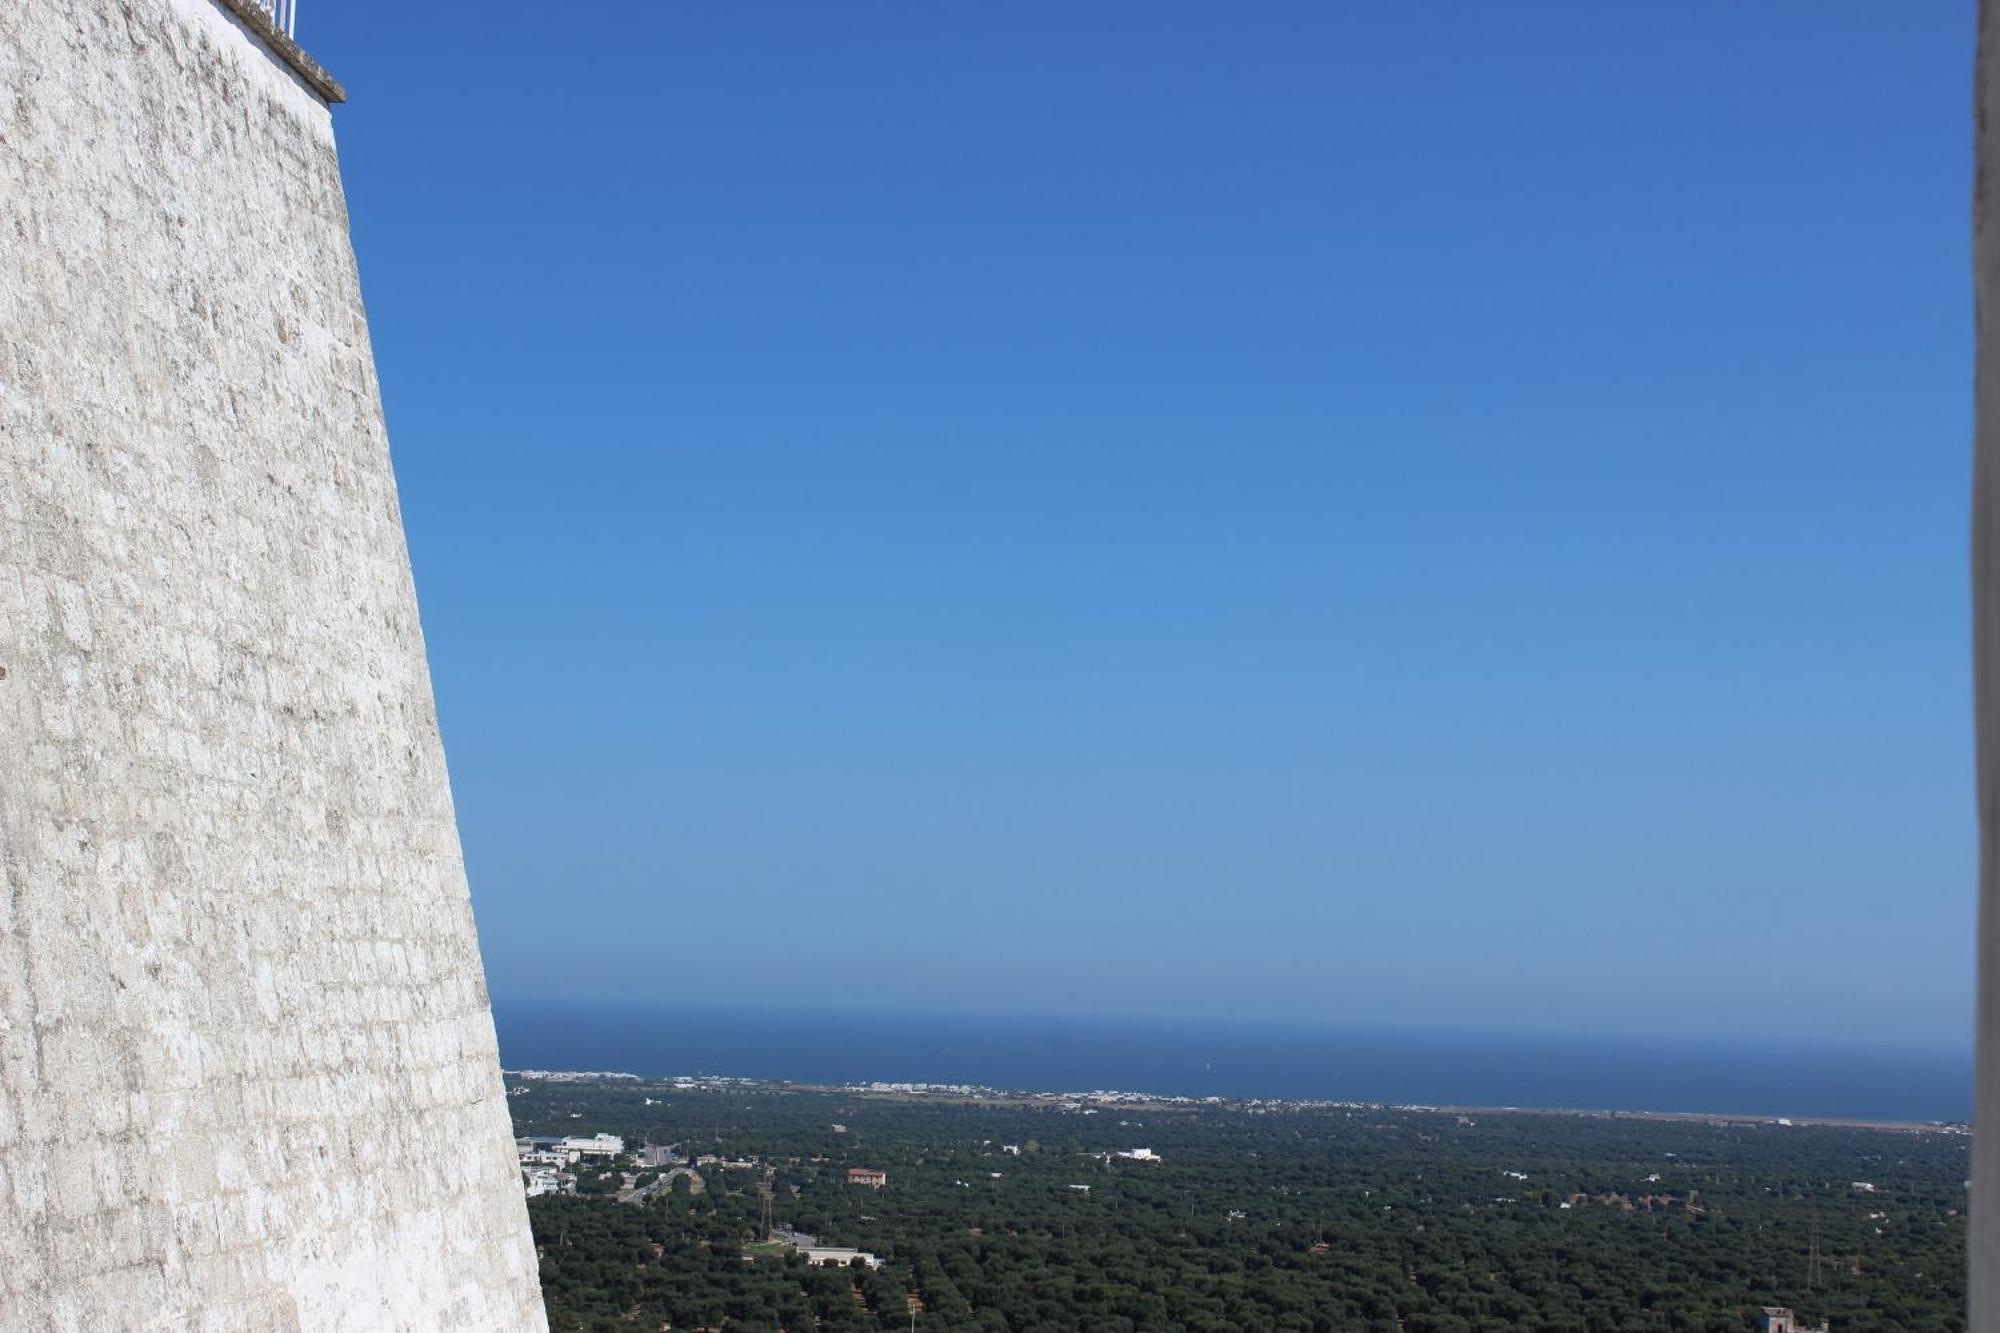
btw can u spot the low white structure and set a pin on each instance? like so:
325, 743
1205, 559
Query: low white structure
838, 1256
597, 1145
1139, 1155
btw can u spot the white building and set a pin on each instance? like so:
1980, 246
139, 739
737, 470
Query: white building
597, 1145
836, 1256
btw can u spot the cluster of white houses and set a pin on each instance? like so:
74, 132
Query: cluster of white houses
548, 1162
546, 1159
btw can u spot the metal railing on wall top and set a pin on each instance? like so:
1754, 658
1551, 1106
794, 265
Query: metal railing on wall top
284, 13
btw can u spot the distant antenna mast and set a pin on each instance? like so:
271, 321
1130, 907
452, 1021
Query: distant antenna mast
1812, 1255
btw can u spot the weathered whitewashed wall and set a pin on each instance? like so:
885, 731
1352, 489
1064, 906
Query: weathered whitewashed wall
248, 1078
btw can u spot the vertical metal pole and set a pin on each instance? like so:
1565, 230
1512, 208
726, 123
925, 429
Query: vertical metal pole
1984, 1248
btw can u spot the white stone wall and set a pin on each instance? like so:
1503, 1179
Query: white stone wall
248, 1078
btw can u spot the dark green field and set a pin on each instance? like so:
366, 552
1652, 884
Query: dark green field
1319, 1218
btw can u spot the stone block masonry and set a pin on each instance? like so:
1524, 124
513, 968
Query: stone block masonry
248, 1079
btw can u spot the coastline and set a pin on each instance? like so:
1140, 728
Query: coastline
1157, 1103
1246, 1061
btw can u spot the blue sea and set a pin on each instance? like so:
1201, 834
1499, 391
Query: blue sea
1241, 1059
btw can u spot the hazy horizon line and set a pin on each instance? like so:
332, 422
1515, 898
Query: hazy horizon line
1656, 1038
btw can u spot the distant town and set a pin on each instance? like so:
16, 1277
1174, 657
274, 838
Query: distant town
554, 1164
1099, 1100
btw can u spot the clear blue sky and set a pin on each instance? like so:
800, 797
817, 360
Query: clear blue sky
1431, 513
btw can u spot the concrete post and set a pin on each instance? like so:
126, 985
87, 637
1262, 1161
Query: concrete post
1984, 1288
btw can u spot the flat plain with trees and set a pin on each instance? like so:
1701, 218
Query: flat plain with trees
1286, 1218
